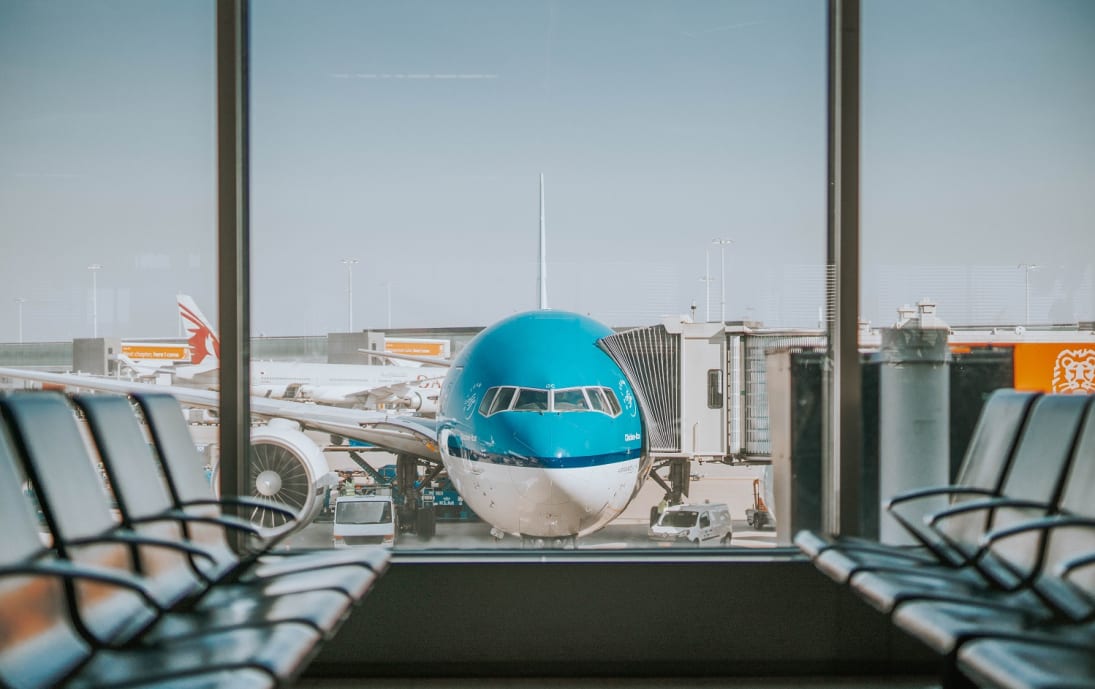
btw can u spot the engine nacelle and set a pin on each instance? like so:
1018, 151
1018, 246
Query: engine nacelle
424, 402
287, 468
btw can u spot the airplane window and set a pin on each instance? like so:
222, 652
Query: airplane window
531, 399
502, 400
572, 399
484, 406
613, 403
596, 400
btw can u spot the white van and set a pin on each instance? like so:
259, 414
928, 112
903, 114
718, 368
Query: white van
704, 524
364, 520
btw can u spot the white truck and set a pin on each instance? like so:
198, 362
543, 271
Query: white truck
706, 524
364, 520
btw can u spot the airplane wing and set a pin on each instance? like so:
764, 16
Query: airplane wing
396, 433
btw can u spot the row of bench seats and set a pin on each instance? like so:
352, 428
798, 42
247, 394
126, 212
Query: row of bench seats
145, 591
1001, 583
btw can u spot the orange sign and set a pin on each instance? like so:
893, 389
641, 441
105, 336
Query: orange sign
417, 347
157, 352
1062, 367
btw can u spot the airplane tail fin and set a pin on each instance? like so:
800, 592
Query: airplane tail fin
203, 340
543, 250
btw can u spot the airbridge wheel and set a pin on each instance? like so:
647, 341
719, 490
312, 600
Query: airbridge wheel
278, 477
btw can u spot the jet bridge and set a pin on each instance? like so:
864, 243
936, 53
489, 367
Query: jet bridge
703, 391
678, 371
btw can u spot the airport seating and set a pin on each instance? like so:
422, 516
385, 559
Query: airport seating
191, 495
83, 528
48, 602
1020, 611
1058, 552
145, 502
981, 475
1032, 487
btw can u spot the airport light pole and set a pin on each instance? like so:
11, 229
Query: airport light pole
388, 289
707, 284
20, 301
349, 263
722, 283
1027, 267
706, 280
94, 268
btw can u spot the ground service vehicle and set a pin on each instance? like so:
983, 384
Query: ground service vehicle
704, 524
364, 520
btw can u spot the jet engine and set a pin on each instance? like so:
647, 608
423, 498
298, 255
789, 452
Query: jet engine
422, 401
287, 469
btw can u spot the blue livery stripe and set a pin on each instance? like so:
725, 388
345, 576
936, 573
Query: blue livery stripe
582, 461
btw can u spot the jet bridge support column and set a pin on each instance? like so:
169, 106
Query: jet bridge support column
678, 479
676, 490
914, 412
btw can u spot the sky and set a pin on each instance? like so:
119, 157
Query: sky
411, 137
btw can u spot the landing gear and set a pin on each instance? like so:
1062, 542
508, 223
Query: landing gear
417, 514
550, 543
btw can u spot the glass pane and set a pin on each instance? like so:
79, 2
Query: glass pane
978, 152
529, 399
400, 156
570, 400
484, 406
107, 189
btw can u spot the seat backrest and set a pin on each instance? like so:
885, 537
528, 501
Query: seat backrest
47, 437
140, 492
38, 645
994, 439
181, 462
1077, 499
1035, 473
182, 467
984, 465
1038, 474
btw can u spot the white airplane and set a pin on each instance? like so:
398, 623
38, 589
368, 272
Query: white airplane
364, 386
538, 428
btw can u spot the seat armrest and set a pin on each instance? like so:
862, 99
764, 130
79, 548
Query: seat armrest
133, 538
934, 492
982, 505
68, 571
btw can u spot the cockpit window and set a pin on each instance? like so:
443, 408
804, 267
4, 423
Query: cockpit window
597, 399
613, 403
484, 406
502, 400
531, 399
571, 399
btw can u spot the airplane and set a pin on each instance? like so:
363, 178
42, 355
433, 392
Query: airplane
366, 386
538, 427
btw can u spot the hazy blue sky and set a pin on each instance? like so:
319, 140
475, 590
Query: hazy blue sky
411, 136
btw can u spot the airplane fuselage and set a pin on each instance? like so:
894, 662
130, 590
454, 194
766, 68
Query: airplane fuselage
539, 429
